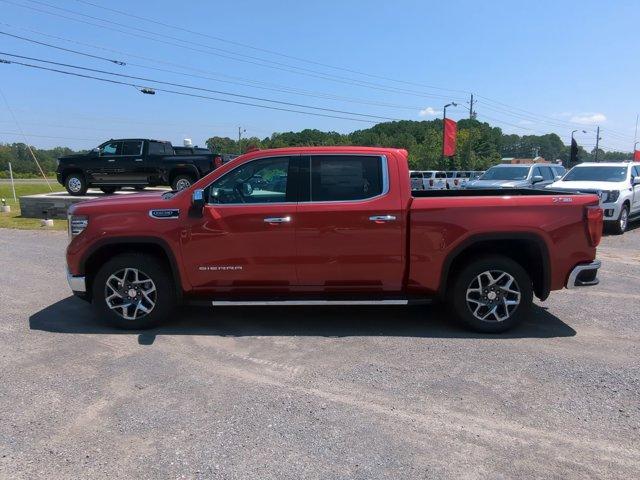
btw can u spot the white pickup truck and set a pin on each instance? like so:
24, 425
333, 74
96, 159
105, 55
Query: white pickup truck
616, 183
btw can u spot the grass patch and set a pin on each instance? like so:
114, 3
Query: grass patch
26, 189
13, 219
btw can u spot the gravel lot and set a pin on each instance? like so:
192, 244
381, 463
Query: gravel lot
317, 393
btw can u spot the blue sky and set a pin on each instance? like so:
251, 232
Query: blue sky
535, 66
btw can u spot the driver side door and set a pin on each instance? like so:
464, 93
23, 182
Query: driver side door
245, 240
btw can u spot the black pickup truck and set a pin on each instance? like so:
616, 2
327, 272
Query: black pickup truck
134, 162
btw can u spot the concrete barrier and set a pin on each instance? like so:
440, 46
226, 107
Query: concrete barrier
56, 204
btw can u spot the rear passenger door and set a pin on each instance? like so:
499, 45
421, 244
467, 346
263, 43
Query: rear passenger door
349, 225
131, 163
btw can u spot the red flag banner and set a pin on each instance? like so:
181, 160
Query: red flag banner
636, 155
450, 133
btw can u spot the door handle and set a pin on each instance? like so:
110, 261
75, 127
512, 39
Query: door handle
138, 159
277, 220
111, 160
383, 218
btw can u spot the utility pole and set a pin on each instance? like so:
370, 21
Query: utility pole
472, 114
597, 141
240, 132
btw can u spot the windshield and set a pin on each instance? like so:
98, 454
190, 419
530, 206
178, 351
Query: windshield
597, 174
505, 173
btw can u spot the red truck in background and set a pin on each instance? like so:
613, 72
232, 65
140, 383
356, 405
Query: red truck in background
330, 225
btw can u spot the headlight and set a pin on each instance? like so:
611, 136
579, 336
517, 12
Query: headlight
610, 197
77, 223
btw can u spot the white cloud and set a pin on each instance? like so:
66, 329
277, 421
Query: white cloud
429, 112
589, 118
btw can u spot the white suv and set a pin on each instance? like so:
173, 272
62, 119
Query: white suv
617, 184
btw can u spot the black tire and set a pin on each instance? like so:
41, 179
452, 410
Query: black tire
148, 267
76, 184
139, 187
180, 182
620, 226
108, 190
493, 295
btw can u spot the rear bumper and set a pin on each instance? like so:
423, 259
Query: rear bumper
584, 275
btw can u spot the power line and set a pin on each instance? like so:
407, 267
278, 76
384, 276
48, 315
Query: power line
244, 82
264, 50
277, 65
15, 119
47, 136
117, 62
191, 87
226, 100
226, 54
220, 39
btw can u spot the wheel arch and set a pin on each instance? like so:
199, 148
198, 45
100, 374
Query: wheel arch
69, 170
183, 170
103, 251
528, 249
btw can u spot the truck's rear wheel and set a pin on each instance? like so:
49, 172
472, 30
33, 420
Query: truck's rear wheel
75, 184
492, 294
182, 181
134, 291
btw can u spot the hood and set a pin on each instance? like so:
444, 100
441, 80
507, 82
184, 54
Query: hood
497, 183
587, 186
134, 202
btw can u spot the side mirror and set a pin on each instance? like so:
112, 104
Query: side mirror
635, 181
95, 151
536, 179
557, 178
197, 199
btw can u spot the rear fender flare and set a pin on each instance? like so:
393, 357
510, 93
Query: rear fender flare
543, 290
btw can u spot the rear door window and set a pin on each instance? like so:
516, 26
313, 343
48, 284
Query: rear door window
345, 177
159, 148
132, 147
546, 172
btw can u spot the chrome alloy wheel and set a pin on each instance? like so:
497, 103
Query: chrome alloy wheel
493, 296
130, 293
74, 184
182, 184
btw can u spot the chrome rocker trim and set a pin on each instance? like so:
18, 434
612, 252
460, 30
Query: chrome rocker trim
573, 281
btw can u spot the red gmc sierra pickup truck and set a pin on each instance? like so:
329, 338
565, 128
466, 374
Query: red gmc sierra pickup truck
330, 225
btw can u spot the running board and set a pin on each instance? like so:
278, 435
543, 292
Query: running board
267, 303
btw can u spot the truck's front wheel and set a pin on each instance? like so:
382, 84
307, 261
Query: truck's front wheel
134, 291
492, 294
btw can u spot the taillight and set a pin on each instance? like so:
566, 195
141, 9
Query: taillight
431, 182
595, 223
217, 161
